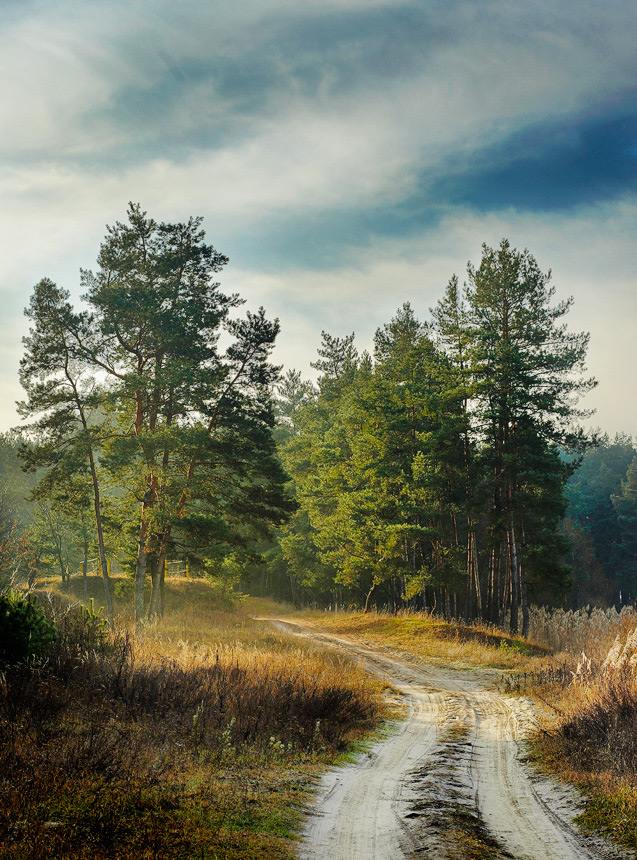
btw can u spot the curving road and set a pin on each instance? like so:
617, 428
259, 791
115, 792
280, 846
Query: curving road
456, 757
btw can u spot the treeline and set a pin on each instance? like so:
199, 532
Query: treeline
443, 471
601, 525
433, 473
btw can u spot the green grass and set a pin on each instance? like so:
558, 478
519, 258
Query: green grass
611, 809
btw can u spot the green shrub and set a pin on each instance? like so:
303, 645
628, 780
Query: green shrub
25, 632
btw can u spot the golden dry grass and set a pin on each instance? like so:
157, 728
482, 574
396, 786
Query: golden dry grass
589, 731
589, 630
430, 638
197, 738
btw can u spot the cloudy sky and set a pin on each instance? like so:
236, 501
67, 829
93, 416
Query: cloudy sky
347, 155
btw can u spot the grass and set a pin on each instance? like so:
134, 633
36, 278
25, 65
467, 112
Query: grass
590, 741
199, 738
428, 637
610, 801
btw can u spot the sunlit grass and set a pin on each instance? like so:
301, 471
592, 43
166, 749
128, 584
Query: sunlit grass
431, 638
198, 737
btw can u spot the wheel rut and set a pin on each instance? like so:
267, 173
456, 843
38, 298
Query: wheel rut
453, 771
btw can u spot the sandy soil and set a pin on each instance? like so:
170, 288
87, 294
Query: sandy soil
458, 756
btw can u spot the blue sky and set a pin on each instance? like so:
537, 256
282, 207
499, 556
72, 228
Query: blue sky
347, 155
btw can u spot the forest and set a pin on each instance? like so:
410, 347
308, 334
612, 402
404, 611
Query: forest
446, 470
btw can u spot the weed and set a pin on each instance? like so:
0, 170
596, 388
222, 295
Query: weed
198, 738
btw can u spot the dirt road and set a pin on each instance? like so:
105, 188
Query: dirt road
452, 771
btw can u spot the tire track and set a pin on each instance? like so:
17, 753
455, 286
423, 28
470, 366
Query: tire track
458, 752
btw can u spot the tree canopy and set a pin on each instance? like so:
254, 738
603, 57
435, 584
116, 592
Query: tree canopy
432, 472
138, 389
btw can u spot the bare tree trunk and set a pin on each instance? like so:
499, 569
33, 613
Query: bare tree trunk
140, 574
96, 503
524, 604
155, 575
496, 562
100, 538
158, 580
469, 610
506, 587
369, 597
85, 570
476, 575
515, 581
162, 586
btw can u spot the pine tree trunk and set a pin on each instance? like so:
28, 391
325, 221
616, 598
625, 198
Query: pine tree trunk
492, 589
158, 579
140, 575
155, 596
369, 597
476, 574
515, 581
97, 507
469, 612
100, 539
85, 570
506, 586
162, 588
524, 604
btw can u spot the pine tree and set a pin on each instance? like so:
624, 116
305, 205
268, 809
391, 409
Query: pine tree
600, 566
527, 369
197, 441
452, 327
190, 425
625, 503
65, 399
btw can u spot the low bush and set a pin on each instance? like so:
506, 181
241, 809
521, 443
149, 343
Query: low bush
25, 632
602, 736
111, 748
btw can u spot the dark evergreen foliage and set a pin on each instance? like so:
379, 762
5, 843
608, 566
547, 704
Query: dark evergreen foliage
431, 473
174, 433
25, 632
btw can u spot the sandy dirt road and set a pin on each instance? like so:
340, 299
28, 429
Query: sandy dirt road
459, 753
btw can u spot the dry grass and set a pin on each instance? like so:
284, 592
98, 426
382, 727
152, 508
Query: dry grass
591, 631
196, 739
428, 637
590, 737
201, 737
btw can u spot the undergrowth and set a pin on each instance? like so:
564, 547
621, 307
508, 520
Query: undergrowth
590, 740
197, 739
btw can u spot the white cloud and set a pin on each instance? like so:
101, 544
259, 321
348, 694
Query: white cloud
68, 68
363, 135
590, 255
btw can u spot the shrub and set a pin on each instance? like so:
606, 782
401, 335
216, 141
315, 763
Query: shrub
25, 632
603, 735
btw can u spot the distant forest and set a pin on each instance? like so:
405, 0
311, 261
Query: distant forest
446, 470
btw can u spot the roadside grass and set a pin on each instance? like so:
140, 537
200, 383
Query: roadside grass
428, 637
610, 800
590, 740
211, 744
198, 738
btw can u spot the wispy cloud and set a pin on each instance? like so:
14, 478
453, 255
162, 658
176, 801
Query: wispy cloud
345, 154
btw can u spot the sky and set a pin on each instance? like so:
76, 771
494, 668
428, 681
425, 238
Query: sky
347, 155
